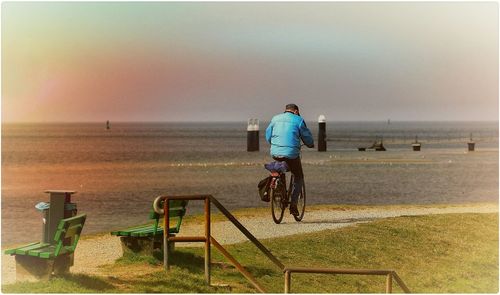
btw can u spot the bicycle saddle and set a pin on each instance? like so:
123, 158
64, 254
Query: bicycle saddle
277, 166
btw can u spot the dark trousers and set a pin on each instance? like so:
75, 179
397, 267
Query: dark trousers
295, 166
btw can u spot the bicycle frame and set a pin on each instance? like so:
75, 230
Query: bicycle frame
278, 178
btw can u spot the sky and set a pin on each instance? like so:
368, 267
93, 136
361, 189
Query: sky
187, 61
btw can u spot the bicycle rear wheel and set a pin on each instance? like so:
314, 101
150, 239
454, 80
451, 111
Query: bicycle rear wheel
301, 203
277, 194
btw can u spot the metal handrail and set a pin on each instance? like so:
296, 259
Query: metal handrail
251, 237
390, 274
208, 240
238, 266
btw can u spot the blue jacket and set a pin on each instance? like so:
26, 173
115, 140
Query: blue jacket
284, 134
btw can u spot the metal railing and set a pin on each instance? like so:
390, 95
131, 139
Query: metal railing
209, 240
390, 275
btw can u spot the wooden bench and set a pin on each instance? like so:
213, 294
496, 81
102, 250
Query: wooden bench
144, 239
40, 260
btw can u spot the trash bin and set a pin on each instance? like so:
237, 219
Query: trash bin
43, 207
70, 210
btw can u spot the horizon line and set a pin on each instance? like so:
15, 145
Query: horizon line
230, 121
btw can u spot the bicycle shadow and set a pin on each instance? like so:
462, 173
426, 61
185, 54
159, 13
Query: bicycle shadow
339, 221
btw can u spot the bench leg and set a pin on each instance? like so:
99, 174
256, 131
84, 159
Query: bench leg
29, 268
143, 245
62, 264
159, 244
137, 245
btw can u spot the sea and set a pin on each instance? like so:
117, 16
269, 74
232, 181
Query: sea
117, 173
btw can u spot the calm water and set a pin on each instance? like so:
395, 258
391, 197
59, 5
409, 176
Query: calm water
118, 172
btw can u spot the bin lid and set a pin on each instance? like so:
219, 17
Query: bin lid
42, 206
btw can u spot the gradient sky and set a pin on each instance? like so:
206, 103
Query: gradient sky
232, 61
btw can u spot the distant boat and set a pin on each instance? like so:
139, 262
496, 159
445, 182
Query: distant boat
107, 125
377, 146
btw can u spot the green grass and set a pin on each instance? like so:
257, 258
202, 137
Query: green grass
452, 253
72, 283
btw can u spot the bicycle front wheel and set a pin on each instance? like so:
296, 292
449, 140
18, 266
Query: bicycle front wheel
301, 203
277, 210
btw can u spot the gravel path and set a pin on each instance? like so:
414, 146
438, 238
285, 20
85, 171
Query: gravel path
105, 249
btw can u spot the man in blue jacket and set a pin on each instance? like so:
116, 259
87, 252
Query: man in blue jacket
284, 133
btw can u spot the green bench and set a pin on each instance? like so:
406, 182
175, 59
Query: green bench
40, 260
145, 239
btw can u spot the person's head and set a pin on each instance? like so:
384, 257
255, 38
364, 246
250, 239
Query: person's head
293, 108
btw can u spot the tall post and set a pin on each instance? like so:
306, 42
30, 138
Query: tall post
166, 227
288, 278
322, 133
388, 283
253, 135
207, 241
471, 144
58, 200
416, 145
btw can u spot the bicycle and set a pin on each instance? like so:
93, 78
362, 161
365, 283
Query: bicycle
280, 196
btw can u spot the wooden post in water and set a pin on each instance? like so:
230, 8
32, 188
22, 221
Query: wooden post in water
416, 145
322, 133
253, 135
471, 144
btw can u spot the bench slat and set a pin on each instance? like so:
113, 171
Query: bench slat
13, 250
46, 252
25, 250
127, 231
130, 231
177, 212
173, 212
145, 232
74, 230
174, 207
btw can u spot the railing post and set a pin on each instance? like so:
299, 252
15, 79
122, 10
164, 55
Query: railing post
288, 281
207, 242
388, 283
166, 229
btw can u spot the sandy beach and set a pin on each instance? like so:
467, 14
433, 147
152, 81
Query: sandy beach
101, 249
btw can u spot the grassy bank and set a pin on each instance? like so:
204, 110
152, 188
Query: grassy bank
451, 253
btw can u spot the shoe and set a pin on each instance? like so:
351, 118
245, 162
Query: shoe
293, 210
